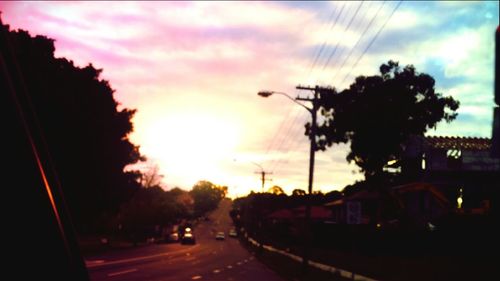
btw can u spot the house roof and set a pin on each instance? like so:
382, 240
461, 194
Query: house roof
459, 143
420, 186
317, 212
363, 195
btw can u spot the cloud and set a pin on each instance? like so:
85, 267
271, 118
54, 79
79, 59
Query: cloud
208, 60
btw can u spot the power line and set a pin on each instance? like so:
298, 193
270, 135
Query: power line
359, 39
285, 120
318, 55
289, 143
338, 42
371, 42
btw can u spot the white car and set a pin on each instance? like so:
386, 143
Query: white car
220, 236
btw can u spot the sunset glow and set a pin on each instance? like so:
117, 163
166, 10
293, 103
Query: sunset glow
193, 69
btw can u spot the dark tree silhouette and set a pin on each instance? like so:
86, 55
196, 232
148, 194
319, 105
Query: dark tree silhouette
276, 190
206, 196
377, 114
84, 133
151, 177
151, 207
298, 192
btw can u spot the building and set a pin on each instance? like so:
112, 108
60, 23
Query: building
461, 167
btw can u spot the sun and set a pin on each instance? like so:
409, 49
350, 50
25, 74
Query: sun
190, 146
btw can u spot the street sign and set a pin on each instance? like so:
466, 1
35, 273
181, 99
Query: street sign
353, 212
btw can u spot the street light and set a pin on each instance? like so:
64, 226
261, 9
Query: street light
312, 137
266, 94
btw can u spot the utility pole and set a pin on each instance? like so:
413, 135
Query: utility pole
312, 136
312, 150
263, 175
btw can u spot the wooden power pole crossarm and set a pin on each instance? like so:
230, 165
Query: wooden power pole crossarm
263, 177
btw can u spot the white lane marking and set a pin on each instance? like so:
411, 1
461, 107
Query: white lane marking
91, 262
229, 266
122, 272
238, 263
196, 277
134, 259
216, 271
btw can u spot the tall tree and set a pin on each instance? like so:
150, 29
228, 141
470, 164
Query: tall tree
151, 177
206, 197
84, 133
276, 190
377, 114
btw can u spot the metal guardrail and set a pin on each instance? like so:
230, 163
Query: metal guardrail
320, 266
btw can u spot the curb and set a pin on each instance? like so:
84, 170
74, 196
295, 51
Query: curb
324, 267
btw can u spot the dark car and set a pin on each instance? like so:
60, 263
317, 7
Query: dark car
188, 238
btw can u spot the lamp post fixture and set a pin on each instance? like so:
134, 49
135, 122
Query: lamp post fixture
312, 137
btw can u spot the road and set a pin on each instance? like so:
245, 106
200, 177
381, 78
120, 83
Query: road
208, 259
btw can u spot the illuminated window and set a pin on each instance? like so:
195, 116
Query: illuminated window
460, 199
454, 157
454, 153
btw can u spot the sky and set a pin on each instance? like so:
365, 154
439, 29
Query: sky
193, 69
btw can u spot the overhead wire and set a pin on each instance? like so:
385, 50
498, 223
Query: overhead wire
338, 42
297, 115
373, 40
304, 115
318, 55
359, 40
288, 121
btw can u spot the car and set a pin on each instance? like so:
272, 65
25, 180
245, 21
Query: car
232, 233
188, 238
173, 237
220, 236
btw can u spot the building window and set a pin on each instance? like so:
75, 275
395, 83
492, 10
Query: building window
423, 161
454, 157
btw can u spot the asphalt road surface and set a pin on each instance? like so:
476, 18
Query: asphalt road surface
208, 259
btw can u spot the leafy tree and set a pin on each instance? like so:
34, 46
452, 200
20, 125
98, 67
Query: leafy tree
377, 114
276, 190
151, 207
84, 133
298, 192
206, 196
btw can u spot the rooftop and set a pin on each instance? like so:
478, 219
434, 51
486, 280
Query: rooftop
466, 143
